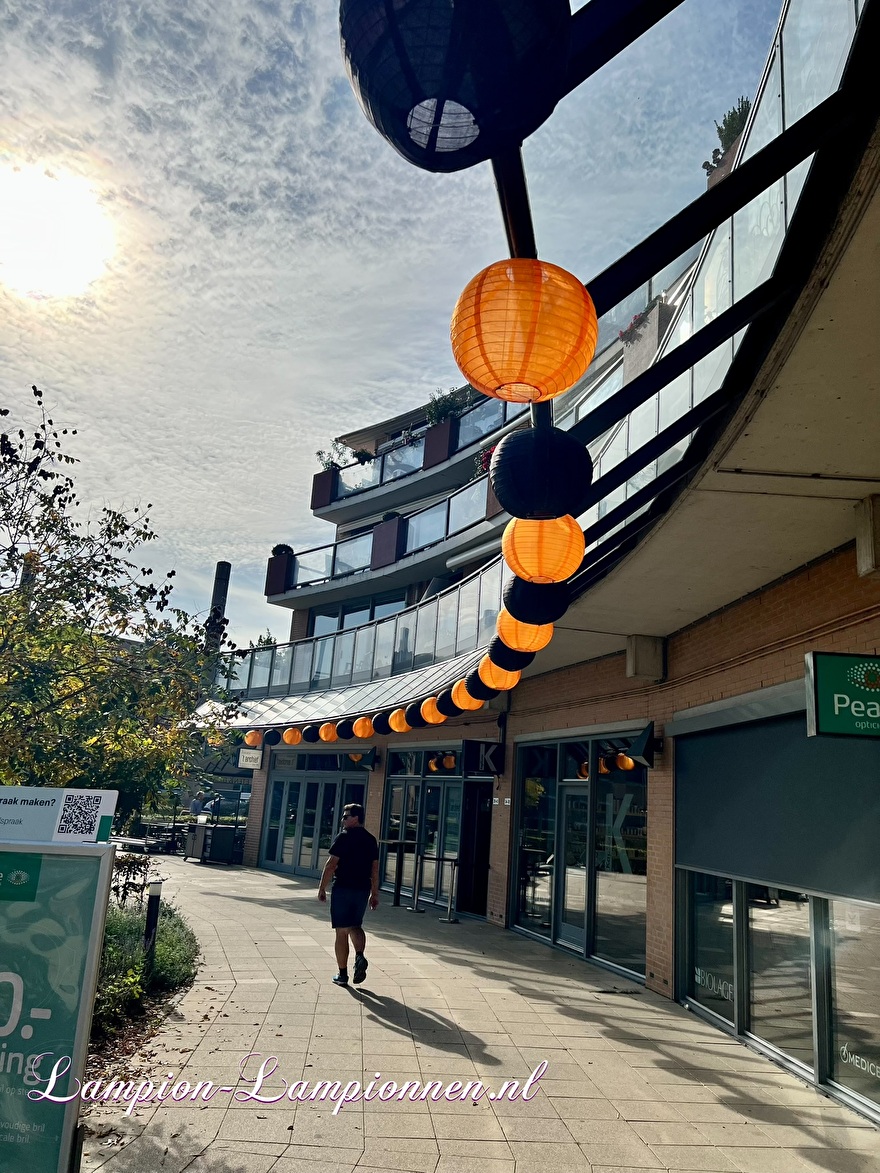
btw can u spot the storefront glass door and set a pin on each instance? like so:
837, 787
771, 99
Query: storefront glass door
303, 820
574, 855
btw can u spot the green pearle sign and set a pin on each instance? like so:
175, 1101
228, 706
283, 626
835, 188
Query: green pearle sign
843, 695
53, 902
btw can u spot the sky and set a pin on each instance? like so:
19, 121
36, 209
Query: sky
212, 264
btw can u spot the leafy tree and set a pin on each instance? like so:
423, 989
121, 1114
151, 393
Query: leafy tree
99, 674
729, 130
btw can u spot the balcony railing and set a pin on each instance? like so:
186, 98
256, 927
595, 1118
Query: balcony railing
460, 620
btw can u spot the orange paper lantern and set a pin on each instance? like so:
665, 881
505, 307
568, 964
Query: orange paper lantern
253, 737
363, 728
543, 551
522, 637
291, 736
494, 677
524, 330
463, 698
327, 732
398, 721
430, 711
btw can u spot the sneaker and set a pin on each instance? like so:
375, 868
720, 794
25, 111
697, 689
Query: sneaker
360, 969
341, 978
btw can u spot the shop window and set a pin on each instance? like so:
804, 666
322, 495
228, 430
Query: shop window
537, 838
711, 965
621, 855
405, 762
855, 997
780, 1001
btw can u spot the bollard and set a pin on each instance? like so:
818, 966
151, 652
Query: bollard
152, 923
449, 919
417, 883
398, 876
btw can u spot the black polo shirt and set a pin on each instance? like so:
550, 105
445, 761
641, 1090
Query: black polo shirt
356, 849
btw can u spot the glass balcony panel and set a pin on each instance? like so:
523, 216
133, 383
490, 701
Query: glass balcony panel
614, 451
403, 643
353, 554
758, 232
672, 456
642, 424
313, 565
816, 36
620, 316
712, 287
675, 400
709, 372
480, 422
468, 604
261, 663
794, 185
280, 679
426, 528
358, 477
602, 390
683, 328
468, 506
767, 122
362, 664
447, 625
426, 631
302, 666
667, 277
322, 662
400, 462
614, 498
383, 660
643, 477
343, 656
490, 602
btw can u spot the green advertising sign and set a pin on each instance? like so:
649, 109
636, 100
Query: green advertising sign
52, 906
843, 695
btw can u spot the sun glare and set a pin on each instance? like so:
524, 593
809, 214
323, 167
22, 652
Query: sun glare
55, 237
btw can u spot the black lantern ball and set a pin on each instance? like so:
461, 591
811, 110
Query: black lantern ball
311, 734
541, 473
477, 689
534, 602
272, 737
380, 724
345, 729
413, 714
504, 657
446, 705
450, 84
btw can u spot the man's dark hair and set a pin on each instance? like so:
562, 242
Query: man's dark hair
354, 808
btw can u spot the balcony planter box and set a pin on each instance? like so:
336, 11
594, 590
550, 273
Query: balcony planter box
324, 488
440, 442
279, 574
388, 541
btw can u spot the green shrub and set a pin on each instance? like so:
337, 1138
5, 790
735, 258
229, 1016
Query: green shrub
177, 952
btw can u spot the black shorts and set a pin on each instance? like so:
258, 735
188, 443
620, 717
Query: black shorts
348, 906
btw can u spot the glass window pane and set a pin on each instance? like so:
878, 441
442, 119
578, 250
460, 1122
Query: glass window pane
356, 616
815, 39
675, 400
313, 565
712, 286
711, 966
447, 615
281, 665
643, 424
855, 997
468, 506
322, 663
302, 666
576, 853
431, 795
384, 656
403, 645
780, 1008
425, 528
270, 855
290, 824
479, 422
537, 838
468, 599
490, 603
710, 371
382, 608
343, 656
323, 623
451, 833
621, 848
758, 229
362, 663
353, 554
602, 390
426, 629
620, 316
357, 477
399, 462
261, 661
767, 121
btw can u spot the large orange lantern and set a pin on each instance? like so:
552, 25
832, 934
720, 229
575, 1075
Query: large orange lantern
291, 736
363, 728
398, 721
327, 732
253, 738
494, 677
522, 637
431, 713
523, 330
463, 698
543, 551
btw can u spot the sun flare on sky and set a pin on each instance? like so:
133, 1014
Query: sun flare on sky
55, 236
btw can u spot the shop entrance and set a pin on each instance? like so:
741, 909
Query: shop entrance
476, 833
573, 842
303, 819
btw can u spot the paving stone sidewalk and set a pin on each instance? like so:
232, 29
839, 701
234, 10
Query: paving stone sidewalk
633, 1082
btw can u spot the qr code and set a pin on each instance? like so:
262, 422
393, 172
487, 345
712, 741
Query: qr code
79, 815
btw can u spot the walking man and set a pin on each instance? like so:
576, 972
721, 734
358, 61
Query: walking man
353, 867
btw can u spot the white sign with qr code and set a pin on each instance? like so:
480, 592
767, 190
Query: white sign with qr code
49, 814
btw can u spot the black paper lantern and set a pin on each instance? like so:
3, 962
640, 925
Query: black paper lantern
311, 734
478, 690
380, 724
541, 473
271, 737
533, 602
446, 705
499, 653
452, 84
414, 717
345, 730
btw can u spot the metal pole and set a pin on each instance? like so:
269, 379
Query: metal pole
398, 875
417, 882
449, 919
152, 923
